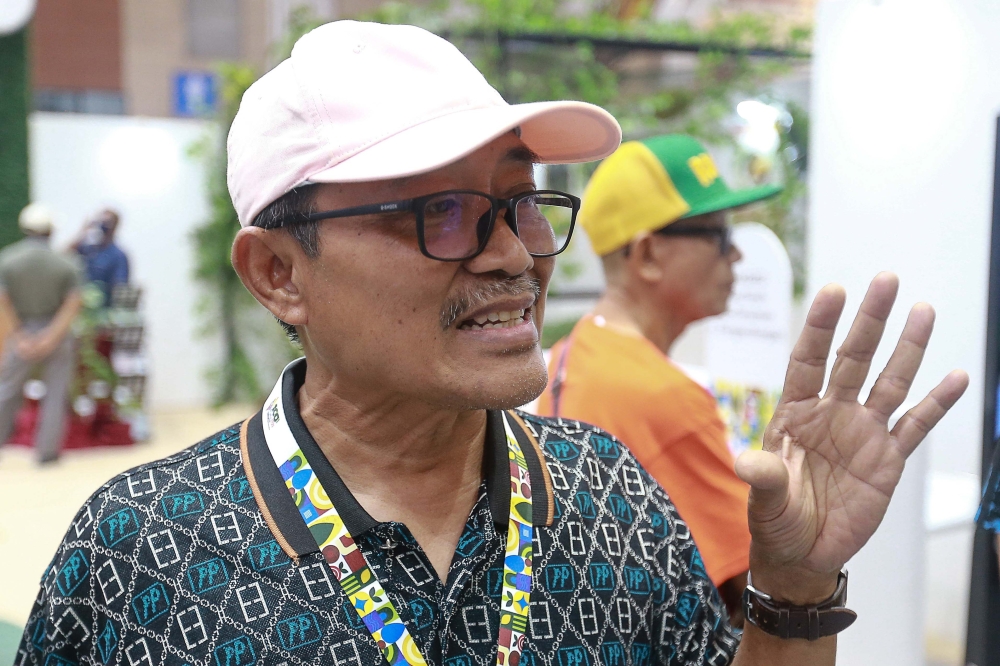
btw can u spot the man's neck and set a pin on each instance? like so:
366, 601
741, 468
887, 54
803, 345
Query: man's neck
402, 459
623, 310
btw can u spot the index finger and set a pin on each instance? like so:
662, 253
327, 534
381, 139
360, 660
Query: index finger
807, 365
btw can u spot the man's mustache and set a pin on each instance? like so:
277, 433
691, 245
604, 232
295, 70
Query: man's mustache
479, 295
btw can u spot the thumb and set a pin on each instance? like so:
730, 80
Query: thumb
768, 478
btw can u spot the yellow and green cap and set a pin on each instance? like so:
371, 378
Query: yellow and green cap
646, 185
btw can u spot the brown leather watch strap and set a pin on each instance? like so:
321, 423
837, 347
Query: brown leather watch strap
809, 622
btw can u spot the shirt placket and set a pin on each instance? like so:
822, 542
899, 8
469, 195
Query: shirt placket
470, 566
410, 581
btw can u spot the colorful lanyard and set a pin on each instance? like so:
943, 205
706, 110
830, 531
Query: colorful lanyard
358, 580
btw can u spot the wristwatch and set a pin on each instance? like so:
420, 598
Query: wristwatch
787, 621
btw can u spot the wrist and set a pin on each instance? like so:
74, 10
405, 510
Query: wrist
793, 585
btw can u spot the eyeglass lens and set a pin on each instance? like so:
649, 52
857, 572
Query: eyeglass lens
726, 240
543, 223
455, 224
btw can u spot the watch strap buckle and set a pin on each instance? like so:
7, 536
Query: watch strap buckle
785, 620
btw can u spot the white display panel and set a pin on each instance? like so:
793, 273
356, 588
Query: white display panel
140, 167
905, 99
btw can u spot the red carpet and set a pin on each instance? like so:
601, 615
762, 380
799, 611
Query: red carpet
100, 429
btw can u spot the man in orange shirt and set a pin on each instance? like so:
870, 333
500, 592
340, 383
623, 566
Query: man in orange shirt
655, 211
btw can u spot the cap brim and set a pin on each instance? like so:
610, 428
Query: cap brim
558, 132
734, 199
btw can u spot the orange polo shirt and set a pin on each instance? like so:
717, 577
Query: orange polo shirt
622, 383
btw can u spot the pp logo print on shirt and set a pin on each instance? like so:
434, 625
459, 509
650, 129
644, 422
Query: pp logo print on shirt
237, 652
298, 631
266, 556
107, 642
182, 504
151, 603
208, 575
602, 577
73, 572
605, 448
560, 578
118, 526
239, 490
562, 450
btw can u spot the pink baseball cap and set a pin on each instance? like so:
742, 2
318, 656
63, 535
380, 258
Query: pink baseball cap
366, 101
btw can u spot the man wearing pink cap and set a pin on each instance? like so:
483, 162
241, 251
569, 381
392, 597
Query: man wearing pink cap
388, 503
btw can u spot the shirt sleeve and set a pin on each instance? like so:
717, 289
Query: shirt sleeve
683, 446
65, 626
120, 273
690, 623
698, 473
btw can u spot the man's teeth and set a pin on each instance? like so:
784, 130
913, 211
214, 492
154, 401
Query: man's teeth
504, 319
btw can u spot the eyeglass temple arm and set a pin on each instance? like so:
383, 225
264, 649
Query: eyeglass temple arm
369, 209
690, 232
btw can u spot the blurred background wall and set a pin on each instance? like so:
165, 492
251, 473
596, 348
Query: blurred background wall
141, 167
905, 101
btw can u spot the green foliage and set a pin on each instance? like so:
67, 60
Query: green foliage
553, 331
14, 90
700, 103
91, 321
225, 302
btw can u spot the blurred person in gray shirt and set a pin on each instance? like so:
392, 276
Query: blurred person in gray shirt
40, 297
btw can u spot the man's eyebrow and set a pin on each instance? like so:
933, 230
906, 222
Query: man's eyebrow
522, 154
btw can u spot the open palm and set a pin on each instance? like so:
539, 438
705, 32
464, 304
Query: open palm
830, 464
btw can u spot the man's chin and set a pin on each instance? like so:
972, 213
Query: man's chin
516, 383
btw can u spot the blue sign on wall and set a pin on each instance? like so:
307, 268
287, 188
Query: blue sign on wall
194, 93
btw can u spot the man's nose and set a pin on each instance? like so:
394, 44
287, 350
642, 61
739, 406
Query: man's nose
735, 255
504, 251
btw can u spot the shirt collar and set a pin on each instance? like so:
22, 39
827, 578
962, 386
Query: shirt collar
283, 518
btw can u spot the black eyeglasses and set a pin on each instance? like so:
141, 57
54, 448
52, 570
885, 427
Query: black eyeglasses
456, 225
724, 234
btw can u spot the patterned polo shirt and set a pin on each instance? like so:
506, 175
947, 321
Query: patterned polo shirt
203, 558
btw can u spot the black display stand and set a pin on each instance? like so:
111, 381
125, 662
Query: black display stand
982, 647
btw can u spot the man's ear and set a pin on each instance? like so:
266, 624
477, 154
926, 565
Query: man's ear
269, 263
644, 260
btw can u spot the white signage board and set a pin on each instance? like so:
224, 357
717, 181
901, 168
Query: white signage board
749, 344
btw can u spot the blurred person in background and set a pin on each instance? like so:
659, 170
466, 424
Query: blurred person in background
40, 298
105, 263
388, 504
655, 212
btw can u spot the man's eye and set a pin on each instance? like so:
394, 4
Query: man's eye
441, 206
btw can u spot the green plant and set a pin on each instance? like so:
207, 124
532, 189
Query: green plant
13, 133
785, 213
554, 331
225, 304
88, 325
574, 68
701, 104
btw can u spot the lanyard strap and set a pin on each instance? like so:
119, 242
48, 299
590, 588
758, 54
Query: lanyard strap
351, 569
560, 375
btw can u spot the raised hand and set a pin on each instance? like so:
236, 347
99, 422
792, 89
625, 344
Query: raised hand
830, 464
